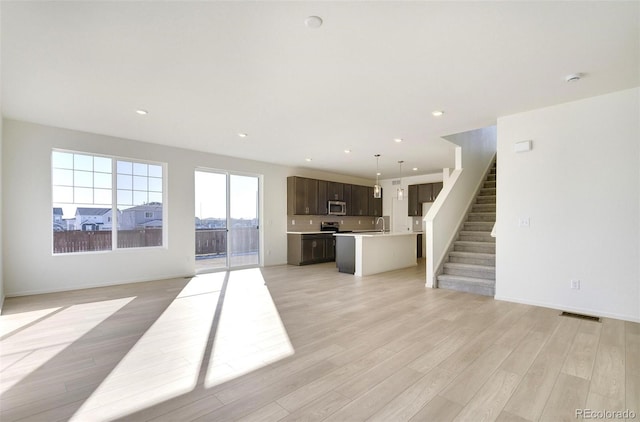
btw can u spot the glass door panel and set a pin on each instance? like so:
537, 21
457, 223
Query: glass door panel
211, 221
244, 223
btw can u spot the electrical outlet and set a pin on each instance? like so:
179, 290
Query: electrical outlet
417, 222
575, 284
310, 221
293, 222
359, 221
341, 221
524, 222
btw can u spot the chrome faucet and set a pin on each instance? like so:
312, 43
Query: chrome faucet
378, 220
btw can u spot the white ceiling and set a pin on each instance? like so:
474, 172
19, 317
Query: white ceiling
373, 72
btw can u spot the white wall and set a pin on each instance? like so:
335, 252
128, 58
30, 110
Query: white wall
580, 187
2, 202
474, 153
30, 266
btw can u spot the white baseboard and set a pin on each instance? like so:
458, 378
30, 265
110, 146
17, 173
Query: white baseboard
561, 307
92, 286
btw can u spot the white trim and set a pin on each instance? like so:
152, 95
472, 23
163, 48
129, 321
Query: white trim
93, 286
561, 308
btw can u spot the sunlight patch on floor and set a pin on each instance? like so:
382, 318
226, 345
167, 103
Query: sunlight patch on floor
165, 362
23, 353
250, 333
13, 322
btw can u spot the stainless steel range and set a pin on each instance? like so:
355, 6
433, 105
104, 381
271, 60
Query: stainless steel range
332, 226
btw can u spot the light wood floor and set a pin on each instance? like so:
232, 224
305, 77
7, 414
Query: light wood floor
311, 344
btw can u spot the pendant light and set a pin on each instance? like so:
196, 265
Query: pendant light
400, 190
377, 190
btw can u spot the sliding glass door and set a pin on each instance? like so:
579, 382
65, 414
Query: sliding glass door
244, 223
227, 220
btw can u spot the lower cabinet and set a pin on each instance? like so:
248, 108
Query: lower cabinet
303, 249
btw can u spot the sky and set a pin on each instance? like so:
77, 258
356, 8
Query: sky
210, 198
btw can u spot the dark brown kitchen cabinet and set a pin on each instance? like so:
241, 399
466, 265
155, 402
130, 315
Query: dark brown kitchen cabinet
437, 187
419, 194
323, 197
360, 201
303, 249
347, 198
375, 204
330, 248
335, 191
425, 193
302, 196
414, 207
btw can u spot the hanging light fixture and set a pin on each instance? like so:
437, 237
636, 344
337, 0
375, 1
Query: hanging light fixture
400, 190
377, 190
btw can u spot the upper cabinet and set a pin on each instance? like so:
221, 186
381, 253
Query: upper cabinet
419, 194
359, 200
425, 192
375, 204
310, 196
437, 187
323, 185
302, 196
414, 207
335, 191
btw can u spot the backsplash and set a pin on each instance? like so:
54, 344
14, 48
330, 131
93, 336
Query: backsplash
307, 223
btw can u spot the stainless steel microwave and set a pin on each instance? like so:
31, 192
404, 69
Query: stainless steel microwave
337, 208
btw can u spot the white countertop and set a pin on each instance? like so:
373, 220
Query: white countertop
377, 234
316, 232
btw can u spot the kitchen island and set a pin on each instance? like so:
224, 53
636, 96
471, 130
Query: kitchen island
374, 252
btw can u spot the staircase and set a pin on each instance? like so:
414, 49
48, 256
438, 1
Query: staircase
471, 265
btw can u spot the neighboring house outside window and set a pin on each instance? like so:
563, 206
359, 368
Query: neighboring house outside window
96, 199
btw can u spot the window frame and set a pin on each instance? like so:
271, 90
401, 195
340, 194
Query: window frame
115, 218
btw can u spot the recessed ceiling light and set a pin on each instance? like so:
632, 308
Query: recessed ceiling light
437, 113
313, 22
142, 112
347, 151
398, 140
378, 174
307, 159
242, 135
415, 169
574, 77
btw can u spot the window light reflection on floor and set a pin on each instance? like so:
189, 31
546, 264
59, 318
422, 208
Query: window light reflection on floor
23, 354
250, 333
198, 341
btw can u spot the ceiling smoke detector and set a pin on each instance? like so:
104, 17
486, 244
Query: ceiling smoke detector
574, 77
313, 22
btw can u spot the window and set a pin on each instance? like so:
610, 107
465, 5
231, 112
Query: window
107, 203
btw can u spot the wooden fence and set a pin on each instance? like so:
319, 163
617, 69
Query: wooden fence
214, 241
208, 241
